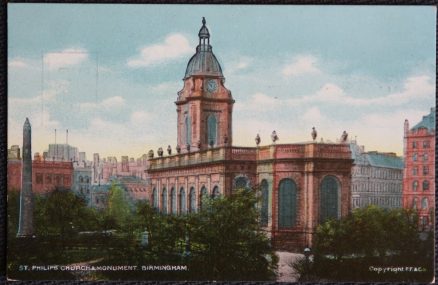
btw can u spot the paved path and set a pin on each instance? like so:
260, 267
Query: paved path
285, 272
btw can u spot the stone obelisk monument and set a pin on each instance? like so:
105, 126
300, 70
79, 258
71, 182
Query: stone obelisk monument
25, 226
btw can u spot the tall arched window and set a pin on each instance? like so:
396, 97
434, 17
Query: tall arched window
164, 201
188, 128
287, 203
203, 195
155, 198
211, 130
414, 203
424, 203
215, 193
192, 200
415, 185
425, 185
329, 195
173, 209
182, 201
265, 203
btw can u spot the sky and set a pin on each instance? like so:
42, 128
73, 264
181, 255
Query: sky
110, 73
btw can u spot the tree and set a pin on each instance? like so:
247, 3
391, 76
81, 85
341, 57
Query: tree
227, 241
118, 209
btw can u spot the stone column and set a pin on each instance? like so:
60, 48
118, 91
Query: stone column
25, 226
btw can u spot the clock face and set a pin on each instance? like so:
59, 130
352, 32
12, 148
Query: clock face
211, 85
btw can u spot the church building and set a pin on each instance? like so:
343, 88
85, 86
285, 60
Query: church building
302, 184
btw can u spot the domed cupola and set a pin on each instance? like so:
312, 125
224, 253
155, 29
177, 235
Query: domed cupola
204, 62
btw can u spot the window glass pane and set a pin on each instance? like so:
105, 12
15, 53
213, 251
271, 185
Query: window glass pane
265, 203
192, 200
212, 130
287, 200
182, 201
328, 199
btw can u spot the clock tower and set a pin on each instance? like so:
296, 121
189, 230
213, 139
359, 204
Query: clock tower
204, 105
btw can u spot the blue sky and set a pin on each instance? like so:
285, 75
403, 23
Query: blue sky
110, 73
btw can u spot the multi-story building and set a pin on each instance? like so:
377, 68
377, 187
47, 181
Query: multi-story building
48, 175
61, 152
302, 184
419, 170
376, 178
82, 179
14, 168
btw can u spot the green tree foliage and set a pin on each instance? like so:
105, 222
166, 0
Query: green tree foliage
118, 209
345, 249
227, 242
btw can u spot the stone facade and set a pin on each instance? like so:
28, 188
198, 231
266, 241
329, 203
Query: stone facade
82, 179
377, 178
301, 184
419, 170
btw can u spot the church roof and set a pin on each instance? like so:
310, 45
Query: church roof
203, 62
427, 122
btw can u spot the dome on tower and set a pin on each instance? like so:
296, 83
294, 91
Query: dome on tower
203, 62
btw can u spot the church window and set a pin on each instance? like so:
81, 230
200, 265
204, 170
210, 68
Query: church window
202, 196
212, 130
425, 185
287, 203
424, 203
182, 201
188, 128
241, 182
215, 193
265, 203
155, 198
329, 195
164, 201
192, 200
173, 209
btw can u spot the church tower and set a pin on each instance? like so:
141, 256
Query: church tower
204, 105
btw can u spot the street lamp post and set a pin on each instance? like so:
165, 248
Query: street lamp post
307, 252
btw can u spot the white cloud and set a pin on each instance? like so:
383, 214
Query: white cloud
18, 63
259, 102
174, 46
304, 64
140, 117
64, 58
55, 88
107, 104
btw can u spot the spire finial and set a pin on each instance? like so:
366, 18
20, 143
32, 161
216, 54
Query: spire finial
203, 21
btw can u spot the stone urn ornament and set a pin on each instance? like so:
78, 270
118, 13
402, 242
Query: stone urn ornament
199, 145
344, 137
160, 152
274, 136
151, 154
314, 133
178, 149
257, 139
188, 147
169, 150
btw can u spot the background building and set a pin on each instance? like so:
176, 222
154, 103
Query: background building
48, 175
82, 172
419, 170
376, 178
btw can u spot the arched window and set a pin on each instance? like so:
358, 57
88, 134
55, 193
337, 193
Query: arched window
164, 201
287, 203
414, 157
192, 200
265, 203
425, 185
211, 130
241, 182
182, 201
415, 185
203, 195
329, 195
87, 179
81, 179
155, 198
173, 209
215, 193
188, 128
425, 157
424, 203
414, 203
